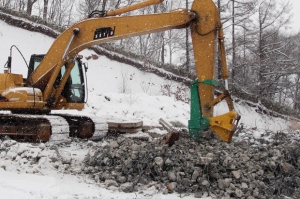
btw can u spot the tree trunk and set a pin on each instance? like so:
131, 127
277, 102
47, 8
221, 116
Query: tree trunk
29, 6
187, 44
45, 12
118, 4
233, 40
296, 96
104, 4
170, 46
163, 48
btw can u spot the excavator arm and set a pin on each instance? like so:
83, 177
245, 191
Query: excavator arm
94, 31
206, 31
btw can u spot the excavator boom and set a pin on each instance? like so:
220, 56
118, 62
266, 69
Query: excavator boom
101, 27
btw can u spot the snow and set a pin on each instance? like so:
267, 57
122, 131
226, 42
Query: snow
62, 187
116, 91
26, 89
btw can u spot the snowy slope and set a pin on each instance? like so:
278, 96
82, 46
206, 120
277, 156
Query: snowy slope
142, 100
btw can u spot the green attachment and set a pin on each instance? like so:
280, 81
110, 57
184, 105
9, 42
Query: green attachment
210, 82
197, 123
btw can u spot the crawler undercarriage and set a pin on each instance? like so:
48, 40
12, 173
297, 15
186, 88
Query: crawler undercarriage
54, 128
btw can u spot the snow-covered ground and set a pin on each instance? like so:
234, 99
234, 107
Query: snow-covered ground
23, 179
142, 100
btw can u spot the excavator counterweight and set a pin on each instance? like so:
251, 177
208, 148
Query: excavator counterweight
55, 81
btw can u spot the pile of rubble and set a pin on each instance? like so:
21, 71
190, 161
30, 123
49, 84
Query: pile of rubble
33, 157
264, 165
249, 168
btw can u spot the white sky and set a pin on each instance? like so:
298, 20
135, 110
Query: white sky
296, 15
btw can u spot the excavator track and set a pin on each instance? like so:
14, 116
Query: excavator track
53, 128
86, 127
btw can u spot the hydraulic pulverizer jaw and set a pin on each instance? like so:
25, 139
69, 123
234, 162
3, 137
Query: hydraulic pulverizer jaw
204, 31
224, 125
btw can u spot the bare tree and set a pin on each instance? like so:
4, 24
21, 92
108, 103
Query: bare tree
60, 12
29, 6
187, 51
271, 18
45, 10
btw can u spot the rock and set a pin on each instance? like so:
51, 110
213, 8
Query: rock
94, 56
272, 164
205, 183
245, 158
159, 161
165, 192
114, 144
205, 160
172, 176
260, 172
128, 163
195, 175
33, 153
2, 154
109, 183
23, 161
186, 182
66, 166
144, 181
107, 161
42, 146
232, 186
255, 193
8, 143
236, 174
172, 186
239, 193
66, 156
53, 156
105, 176
12, 154
221, 184
244, 186
127, 187
134, 155
226, 161
136, 147
169, 162
121, 179
256, 157
198, 195
287, 167
179, 176
90, 143
22, 149
298, 181
3, 167
44, 163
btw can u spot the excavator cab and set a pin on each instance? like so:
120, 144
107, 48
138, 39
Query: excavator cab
74, 90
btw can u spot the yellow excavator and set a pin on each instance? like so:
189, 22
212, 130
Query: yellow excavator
56, 80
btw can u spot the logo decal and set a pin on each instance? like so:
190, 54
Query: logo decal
104, 32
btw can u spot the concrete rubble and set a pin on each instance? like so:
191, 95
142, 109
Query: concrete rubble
246, 168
